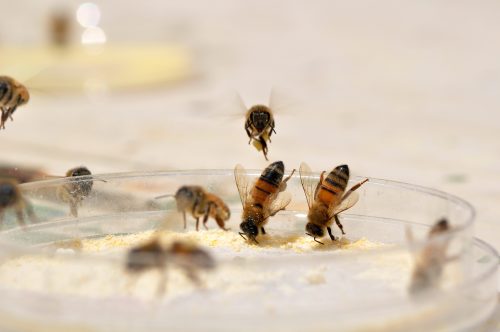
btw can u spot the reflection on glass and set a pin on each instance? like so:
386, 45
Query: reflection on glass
88, 15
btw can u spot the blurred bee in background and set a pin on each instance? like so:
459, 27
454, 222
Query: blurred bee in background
153, 255
430, 260
76, 188
327, 199
12, 95
12, 198
200, 203
262, 200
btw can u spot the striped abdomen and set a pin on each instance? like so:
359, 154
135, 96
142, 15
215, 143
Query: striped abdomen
221, 210
268, 183
333, 186
12, 93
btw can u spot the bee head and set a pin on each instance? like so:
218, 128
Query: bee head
7, 194
78, 171
81, 187
184, 197
260, 116
314, 230
249, 229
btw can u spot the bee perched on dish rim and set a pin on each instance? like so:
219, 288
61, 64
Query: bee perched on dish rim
262, 200
430, 260
200, 203
12, 95
12, 198
152, 254
77, 188
326, 199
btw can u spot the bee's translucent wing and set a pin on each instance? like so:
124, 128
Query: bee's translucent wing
229, 107
242, 183
281, 103
280, 203
308, 183
346, 203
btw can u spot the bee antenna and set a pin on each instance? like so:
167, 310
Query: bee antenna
241, 234
164, 196
314, 238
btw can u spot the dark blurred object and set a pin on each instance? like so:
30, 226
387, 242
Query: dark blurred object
60, 28
22, 174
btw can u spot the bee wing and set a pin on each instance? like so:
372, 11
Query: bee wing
281, 103
230, 107
346, 203
280, 203
308, 183
242, 183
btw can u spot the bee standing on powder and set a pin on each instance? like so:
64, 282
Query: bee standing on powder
262, 200
327, 199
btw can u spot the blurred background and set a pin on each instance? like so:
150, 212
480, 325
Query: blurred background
407, 91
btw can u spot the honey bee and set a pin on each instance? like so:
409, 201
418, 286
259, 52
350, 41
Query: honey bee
77, 188
12, 198
200, 203
153, 255
327, 199
265, 198
12, 95
430, 260
259, 126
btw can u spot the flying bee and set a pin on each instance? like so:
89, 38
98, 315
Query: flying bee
430, 260
200, 203
327, 199
153, 255
12, 198
263, 200
77, 187
259, 126
12, 95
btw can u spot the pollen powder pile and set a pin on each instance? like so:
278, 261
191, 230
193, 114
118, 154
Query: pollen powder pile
225, 241
95, 267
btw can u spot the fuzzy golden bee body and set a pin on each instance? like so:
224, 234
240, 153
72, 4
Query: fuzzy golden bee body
12, 95
200, 203
75, 190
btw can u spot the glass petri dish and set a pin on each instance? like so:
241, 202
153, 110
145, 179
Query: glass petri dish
65, 273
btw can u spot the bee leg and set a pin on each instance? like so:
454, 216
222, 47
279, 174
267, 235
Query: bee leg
193, 276
205, 219
264, 146
283, 183
249, 134
220, 222
5, 115
11, 111
353, 188
73, 206
30, 212
197, 223
337, 221
271, 131
20, 217
263, 230
184, 217
243, 236
162, 283
330, 233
